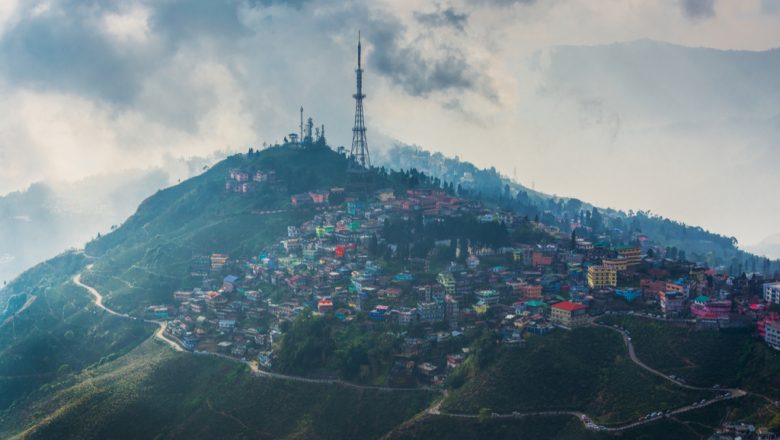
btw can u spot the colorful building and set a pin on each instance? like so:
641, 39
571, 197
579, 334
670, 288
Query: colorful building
601, 276
488, 297
628, 294
631, 254
772, 292
568, 314
616, 264
672, 302
772, 334
325, 305
705, 308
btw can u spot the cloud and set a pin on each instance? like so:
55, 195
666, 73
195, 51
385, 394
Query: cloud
506, 3
698, 9
62, 48
443, 17
120, 83
181, 21
770, 6
442, 68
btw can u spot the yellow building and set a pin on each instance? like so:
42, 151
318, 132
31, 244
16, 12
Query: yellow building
616, 264
447, 281
601, 276
568, 314
218, 261
631, 254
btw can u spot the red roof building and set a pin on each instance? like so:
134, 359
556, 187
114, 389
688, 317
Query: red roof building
568, 306
568, 314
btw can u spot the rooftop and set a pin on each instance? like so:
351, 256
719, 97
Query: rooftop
568, 306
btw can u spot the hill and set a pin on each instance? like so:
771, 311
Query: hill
74, 370
72, 213
583, 370
154, 393
149, 255
56, 330
698, 244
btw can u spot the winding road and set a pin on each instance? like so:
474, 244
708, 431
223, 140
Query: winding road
97, 298
733, 393
160, 335
435, 408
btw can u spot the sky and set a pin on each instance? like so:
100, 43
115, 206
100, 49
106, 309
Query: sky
98, 86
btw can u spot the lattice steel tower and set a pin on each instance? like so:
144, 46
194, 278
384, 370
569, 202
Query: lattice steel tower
360, 160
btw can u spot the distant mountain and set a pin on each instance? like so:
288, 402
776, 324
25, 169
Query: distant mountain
710, 119
648, 80
48, 217
769, 247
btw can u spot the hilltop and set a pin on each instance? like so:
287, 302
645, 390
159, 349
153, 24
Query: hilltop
284, 287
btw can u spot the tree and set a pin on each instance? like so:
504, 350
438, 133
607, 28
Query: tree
373, 245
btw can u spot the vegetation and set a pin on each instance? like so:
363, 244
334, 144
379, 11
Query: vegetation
586, 370
694, 242
313, 345
59, 332
155, 393
555, 427
705, 358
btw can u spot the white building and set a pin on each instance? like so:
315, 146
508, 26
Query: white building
772, 334
772, 293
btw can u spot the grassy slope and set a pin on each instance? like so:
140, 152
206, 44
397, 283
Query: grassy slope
557, 427
148, 257
585, 369
154, 393
59, 333
542, 428
693, 425
705, 358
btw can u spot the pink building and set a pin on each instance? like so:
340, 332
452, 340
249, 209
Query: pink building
704, 308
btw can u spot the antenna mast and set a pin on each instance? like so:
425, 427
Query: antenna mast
359, 158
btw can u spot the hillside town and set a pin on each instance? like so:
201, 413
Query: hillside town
432, 269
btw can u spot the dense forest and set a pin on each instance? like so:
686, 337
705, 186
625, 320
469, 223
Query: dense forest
681, 241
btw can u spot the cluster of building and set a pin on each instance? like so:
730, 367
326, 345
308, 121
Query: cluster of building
245, 181
336, 265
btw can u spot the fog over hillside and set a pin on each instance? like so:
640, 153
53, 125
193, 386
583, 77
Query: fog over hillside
711, 118
49, 217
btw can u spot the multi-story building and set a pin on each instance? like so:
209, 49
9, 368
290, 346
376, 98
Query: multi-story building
406, 316
218, 261
632, 254
431, 311
772, 292
672, 302
452, 311
447, 281
705, 308
568, 314
488, 297
601, 276
531, 291
772, 334
616, 264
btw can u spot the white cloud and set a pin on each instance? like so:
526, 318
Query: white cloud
195, 80
8, 11
131, 25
